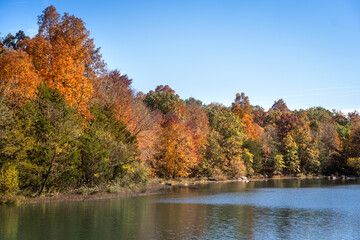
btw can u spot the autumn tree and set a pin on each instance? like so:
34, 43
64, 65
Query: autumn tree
198, 122
242, 109
308, 150
354, 118
114, 89
270, 148
146, 126
177, 153
65, 57
177, 119
279, 105
260, 116
330, 156
18, 78
287, 124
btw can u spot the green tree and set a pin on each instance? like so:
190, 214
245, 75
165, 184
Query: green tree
291, 155
163, 99
229, 127
54, 159
278, 163
248, 158
213, 156
9, 183
108, 151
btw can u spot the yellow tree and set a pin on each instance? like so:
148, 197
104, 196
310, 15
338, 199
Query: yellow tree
177, 152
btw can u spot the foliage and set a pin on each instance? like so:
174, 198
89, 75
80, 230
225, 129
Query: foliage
176, 151
55, 130
279, 105
290, 154
14, 42
18, 78
165, 100
65, 57
242, 109
248, 158
66, 122
278, 164
108, 150
354, 164
229, 127
9, 183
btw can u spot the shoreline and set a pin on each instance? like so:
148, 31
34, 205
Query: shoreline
156, 186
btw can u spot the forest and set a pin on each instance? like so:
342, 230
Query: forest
69, 122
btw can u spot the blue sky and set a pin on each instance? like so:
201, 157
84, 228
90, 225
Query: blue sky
306, 52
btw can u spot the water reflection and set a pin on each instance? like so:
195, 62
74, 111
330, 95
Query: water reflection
293, 209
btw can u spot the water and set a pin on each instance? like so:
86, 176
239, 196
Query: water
276, 209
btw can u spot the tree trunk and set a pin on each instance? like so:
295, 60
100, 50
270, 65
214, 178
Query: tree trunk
47, 175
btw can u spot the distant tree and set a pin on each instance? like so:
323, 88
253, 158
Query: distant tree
242, 109
165, 100
308, 151
354, 118
199, 123
213, 157
14, 42
287, 124
248, 158
229, 127
319, 114
278, 163
241, 106
260, 117
291, 157
176, 152
257, 107
279, 105
193, 101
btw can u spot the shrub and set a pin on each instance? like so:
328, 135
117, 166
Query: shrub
9, 183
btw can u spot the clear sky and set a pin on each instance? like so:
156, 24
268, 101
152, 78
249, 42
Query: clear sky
306, 52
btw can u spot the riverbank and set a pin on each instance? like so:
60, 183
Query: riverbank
86, 194
155, 186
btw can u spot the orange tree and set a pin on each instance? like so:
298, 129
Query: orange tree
65, 57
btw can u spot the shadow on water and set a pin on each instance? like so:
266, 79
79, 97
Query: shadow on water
279, 209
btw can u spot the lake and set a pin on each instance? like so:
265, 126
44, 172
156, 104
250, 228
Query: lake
273, 209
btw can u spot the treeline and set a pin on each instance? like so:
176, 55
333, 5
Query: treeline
66, 122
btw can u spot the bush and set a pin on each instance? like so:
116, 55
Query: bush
9, 183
